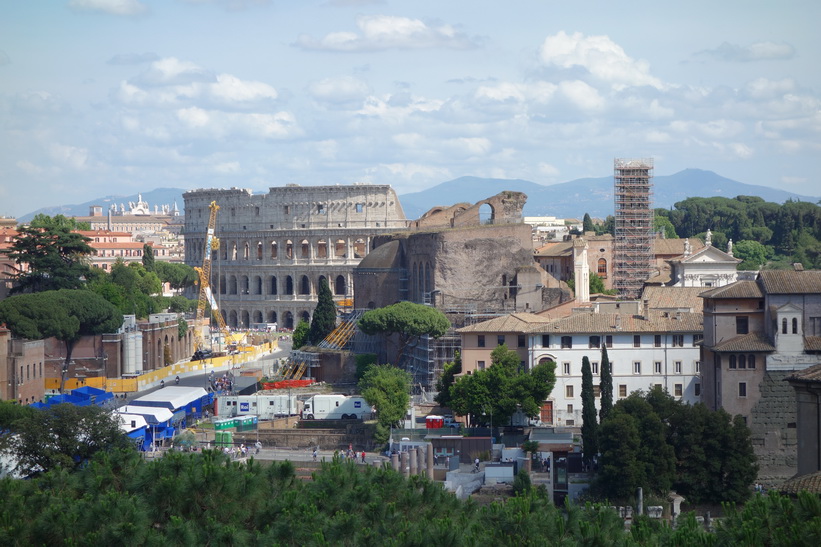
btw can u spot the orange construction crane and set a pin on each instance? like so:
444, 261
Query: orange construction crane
206, 296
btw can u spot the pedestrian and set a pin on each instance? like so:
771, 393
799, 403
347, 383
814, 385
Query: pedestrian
363, 456
314, 454
258, 446
243, 449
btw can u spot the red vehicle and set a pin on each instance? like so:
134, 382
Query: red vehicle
434, 422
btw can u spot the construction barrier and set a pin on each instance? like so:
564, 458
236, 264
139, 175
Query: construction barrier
284, 384
245, 354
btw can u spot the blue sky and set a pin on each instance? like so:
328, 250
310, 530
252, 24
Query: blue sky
102, 97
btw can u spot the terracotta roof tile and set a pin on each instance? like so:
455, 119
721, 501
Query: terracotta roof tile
674, 297
812, 343
790, 281
754, 341
808, 375
516, 322
675, 247
810, 482
621, 322
739, 289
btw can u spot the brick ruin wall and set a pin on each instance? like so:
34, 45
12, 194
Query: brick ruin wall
773, 429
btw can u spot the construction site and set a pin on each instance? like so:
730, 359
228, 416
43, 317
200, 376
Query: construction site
633, 246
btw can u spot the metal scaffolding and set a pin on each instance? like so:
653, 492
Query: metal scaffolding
633, 251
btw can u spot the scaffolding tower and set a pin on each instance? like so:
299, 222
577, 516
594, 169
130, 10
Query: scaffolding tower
633, 248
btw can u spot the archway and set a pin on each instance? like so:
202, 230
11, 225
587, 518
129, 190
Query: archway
339, 286
486, 214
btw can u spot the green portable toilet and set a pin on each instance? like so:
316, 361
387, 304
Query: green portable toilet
223, 439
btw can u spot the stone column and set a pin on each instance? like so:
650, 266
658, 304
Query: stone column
414, 468
395, 462
430, 461
420, 458
403, 462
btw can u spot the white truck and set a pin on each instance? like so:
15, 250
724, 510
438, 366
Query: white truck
266, 407
336, 407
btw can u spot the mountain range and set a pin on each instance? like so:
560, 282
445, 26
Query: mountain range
565, 200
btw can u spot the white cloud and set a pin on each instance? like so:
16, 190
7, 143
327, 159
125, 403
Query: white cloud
69, 156
230, 167
193, 117
758, 51
764, 88
172, 71
111, 7
600, 56
383, 32
339, 90
232, 90
714, 129
548, 170
582, 95
741, 150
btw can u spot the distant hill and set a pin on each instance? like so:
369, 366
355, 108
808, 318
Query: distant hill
566, 200
589, 195
159, 196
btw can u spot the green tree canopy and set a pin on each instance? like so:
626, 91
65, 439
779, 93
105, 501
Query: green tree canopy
67, 315
386, 388
587, 224
753, 254
44, 221
131, 288
148, 257
301, 334
178, 275
443, 384
50, 257
64, 436
589, 419
407, 320
502, 389
605, 385
323, 321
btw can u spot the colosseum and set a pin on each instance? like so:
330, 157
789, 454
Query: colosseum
275, 248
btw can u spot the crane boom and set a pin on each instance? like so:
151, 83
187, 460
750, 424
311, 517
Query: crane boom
206, 298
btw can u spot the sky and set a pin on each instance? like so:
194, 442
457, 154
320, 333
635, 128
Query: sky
116, 97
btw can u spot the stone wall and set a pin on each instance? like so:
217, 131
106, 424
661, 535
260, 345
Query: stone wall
773, 427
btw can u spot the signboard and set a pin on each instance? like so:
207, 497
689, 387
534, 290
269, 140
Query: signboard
357, 404
244, 407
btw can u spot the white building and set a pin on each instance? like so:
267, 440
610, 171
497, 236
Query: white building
654, 349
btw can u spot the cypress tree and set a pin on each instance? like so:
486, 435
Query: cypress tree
589, 423
324, 320
606, 385
148, 257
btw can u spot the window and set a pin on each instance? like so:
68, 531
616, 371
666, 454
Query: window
697, 390
657, 341
678, 367
287, 209
742, 389
568, 392
742, 361
795, 325
751, 361
597, 391
320, 208
594, 368
678, 340
500, 339
545, 340
742, 324
677, 389
360, 207
608, 341
657, 367
594, 342
636, 340
570, 422
622, 390
480, 365
570, 409
784, 326
637, 367
566, 368
733, 361
481, 341
567, 342
521, 340
698, 367
601, 268
697, 339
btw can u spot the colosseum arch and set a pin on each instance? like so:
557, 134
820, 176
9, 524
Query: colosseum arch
340, 288
288, 320
272, 285
245, 319
232, 319
305, 316
246, 251
273, 249
305, 249
244, 285
222, 286
258, 317
340, 248
259, 250
272, 317
232, 285
289, 285
304, 285
322, 248
257, 285
289, 249
360, 249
